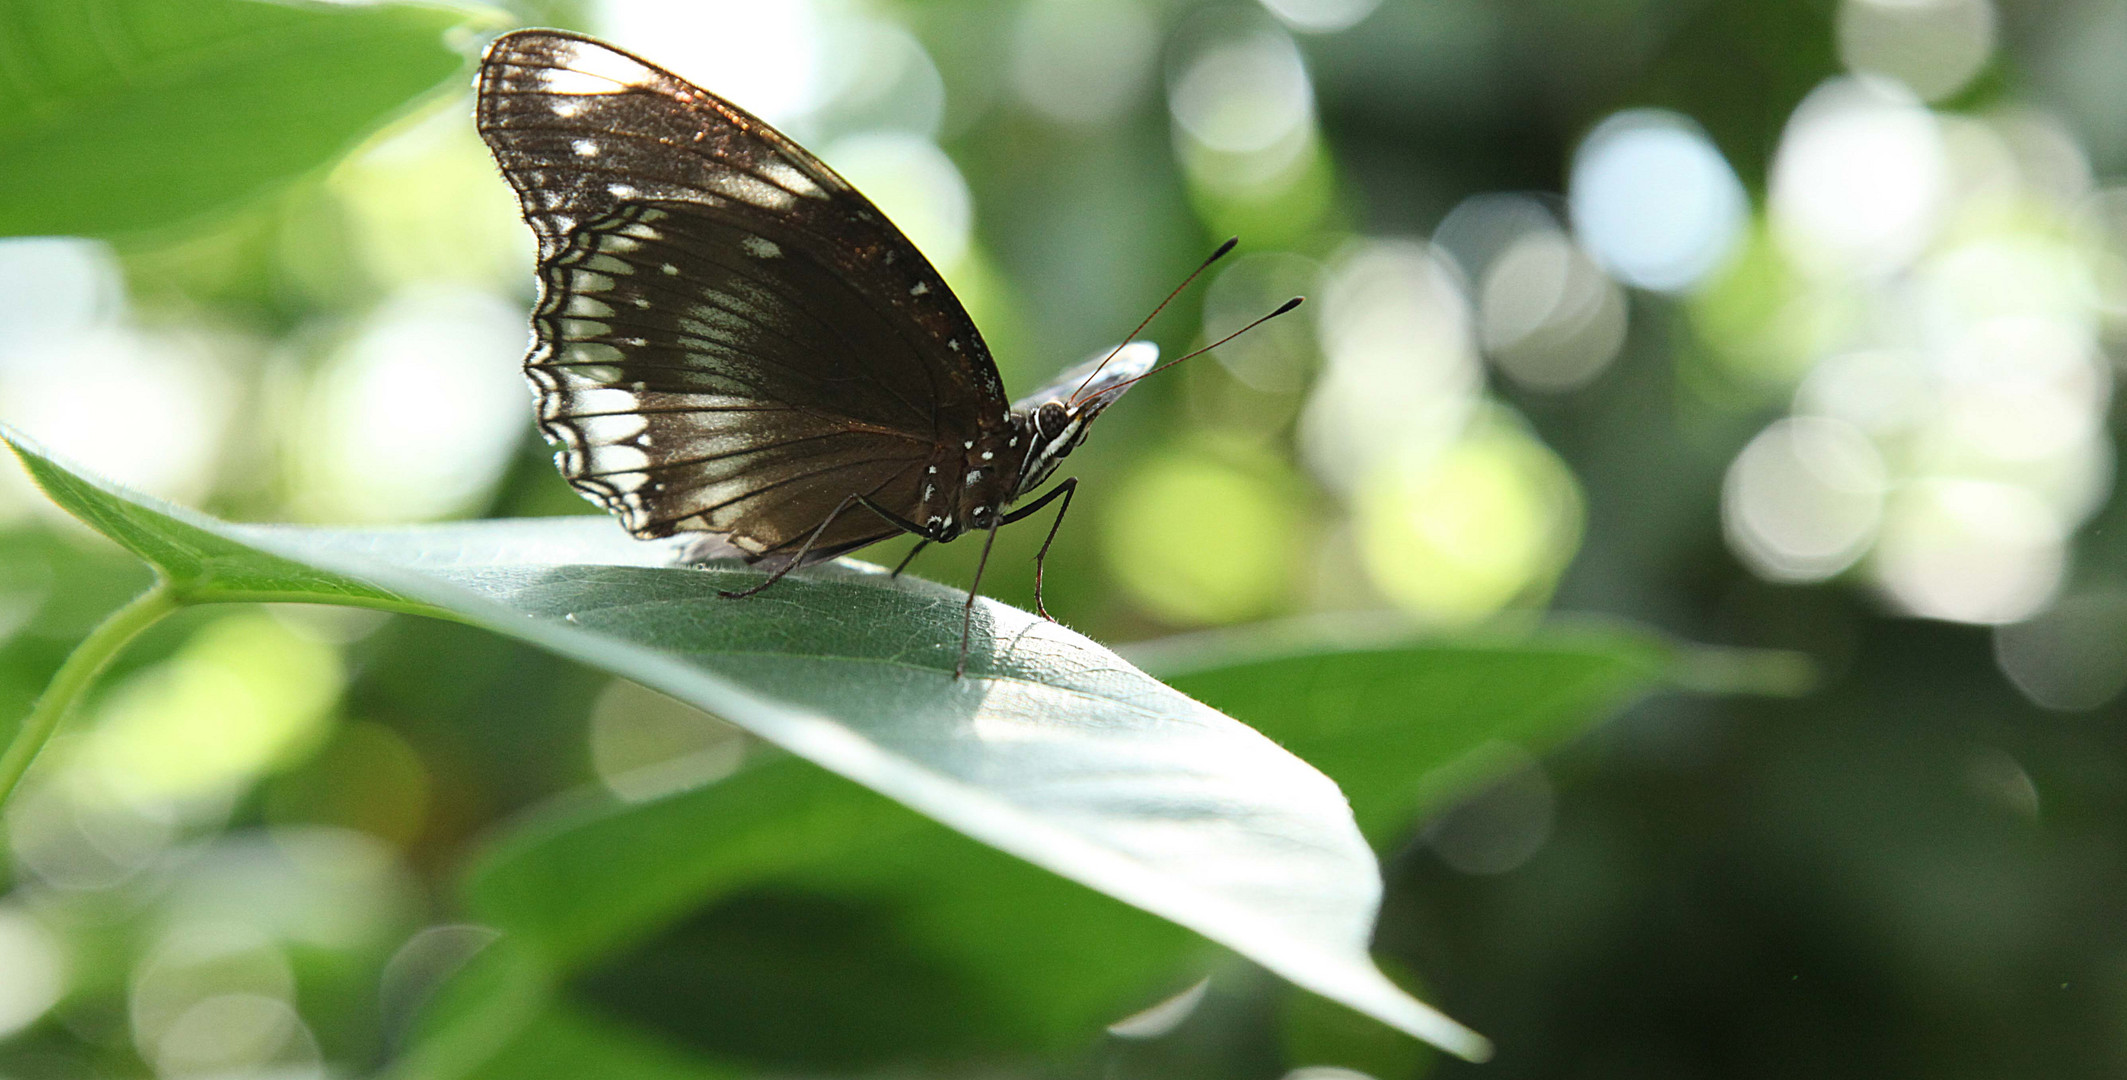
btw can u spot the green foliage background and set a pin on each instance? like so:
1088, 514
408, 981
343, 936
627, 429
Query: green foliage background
1914, 870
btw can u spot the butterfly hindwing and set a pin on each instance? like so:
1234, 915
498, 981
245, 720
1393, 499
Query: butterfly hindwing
729, 338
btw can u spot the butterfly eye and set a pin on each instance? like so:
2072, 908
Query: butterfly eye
1050, 419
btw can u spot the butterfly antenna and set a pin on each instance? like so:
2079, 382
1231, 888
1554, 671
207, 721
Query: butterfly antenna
1231, 241
1282, 309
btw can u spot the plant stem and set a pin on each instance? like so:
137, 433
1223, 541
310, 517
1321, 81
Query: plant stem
81, 668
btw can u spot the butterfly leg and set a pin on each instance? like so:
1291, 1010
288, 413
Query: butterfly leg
910, 557
967, 613
797, 559
1069, 485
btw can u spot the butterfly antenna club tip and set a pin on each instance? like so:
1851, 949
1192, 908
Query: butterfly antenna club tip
1231, 243
1282, 309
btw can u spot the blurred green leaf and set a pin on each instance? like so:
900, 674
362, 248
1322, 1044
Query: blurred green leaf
1053, 749
122, 115
1403, 725
497, 1019
826, 928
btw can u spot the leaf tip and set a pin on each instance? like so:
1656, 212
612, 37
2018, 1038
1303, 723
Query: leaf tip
1767, 672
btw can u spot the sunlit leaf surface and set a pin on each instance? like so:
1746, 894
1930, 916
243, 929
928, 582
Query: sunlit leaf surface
1053, 749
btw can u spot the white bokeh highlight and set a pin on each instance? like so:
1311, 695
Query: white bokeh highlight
1243, 109
1082, 62
147, 408
1971, 551
57, 285
1243, 94
769, 58
32, 969
2068, 658
417, 415
1402, 373
1320, 16
1952, 273
1859, 180
1547, 314
1804, 500
1654, 201
917, 185
1934, 47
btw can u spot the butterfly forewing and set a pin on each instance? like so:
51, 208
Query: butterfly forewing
729, 338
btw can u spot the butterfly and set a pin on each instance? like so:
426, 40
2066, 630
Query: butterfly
730, 340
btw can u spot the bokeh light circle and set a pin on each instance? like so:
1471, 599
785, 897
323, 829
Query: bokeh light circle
1804, 499
1654, 201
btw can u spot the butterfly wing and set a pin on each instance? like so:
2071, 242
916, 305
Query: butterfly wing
1099, 381
729, 338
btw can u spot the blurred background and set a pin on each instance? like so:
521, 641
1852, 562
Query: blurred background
1785, 324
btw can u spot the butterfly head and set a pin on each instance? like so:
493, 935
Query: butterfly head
1052, 421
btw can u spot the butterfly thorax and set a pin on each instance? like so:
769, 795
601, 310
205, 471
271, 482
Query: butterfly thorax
967, 490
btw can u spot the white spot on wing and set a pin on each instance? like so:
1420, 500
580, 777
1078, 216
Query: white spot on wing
627, 483
578, 381
602, 400
612, 459
585, 307
703, 317
599, 69
919, 289
612, 427
751, 189
790, 176
585, 148
591, 352
761, 247
621, 191
566, 109
568, 81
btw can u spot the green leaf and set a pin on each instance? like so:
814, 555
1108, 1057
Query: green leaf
891, 938
1401, 724
123, 115
1053, 749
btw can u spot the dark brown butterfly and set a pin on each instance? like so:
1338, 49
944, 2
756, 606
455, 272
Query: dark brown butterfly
731, 340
